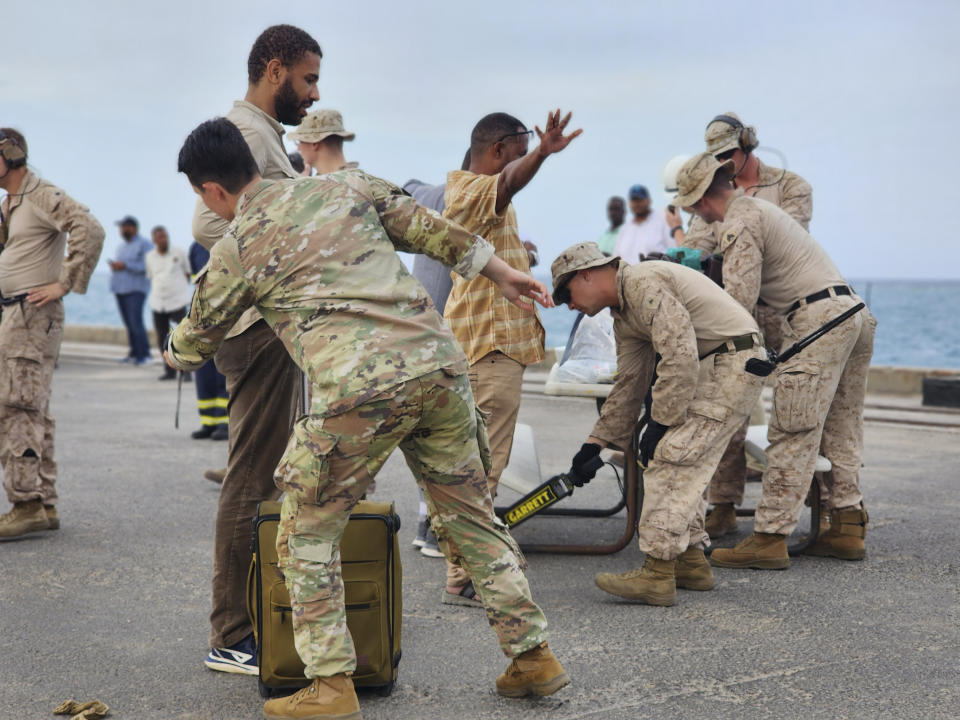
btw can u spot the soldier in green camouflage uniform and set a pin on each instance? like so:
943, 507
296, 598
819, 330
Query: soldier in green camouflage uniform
38, 221
317, 257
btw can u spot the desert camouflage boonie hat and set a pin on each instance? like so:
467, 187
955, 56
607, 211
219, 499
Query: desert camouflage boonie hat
576, 257
721, 136
695, 177
319, 125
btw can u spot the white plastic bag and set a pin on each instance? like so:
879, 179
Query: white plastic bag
593, 352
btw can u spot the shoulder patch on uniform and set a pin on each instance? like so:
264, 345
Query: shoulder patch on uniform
729, 234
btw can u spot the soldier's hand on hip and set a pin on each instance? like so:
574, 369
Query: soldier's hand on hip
40, 296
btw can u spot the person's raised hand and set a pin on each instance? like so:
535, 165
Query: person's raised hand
552, 139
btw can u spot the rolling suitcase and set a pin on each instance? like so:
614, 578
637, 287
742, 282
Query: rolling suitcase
372, 579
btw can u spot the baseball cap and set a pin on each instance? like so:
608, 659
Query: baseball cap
576, 257
638, 191
319, 125
128, 220
695, 177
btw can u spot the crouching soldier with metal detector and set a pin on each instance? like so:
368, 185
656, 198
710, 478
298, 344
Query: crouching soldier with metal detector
317, 257
818, 394
700, 395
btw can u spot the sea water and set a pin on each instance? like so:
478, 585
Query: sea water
917, 326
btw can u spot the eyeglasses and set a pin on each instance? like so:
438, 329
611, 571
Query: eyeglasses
518, 135
727, 155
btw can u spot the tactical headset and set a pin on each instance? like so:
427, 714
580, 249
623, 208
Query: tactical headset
747, 138
12, 152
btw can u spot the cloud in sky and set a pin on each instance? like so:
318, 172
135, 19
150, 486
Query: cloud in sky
861, 97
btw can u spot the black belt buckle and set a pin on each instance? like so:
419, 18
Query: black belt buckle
15, 300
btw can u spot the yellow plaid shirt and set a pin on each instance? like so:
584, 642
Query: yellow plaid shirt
479, 316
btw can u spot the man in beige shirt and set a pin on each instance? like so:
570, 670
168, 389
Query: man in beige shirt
818, 393
675, 328
727, 138
498, 338
262, 379
37, 222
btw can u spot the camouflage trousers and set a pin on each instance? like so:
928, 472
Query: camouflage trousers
328, 465
29, 344
672, 516
817, 407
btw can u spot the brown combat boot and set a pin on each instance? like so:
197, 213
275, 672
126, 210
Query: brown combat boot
24, 518
844, 537
761, 551
535, 672
692, 570
323, 699
654, 583
721, 521
53, 519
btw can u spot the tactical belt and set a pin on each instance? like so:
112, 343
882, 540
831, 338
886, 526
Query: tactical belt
744, 342
822, 295
15, 300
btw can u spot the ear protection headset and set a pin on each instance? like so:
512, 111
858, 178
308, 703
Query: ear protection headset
12, 152
747, 138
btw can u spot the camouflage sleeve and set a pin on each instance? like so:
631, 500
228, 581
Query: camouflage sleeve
84, 236
742, 263
699, 235
796, 199
221, 297
414, 228
674, 339
622, 407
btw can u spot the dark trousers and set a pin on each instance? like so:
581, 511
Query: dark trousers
161, 325
264, 384
212, 394
131, 312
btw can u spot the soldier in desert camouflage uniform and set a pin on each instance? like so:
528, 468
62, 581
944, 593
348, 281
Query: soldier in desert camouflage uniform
38, 221
818, 394
727, 138
702, 394
316, 257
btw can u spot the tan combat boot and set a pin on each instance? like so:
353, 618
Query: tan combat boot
654, 583
692, 570
721, 521
535, 672
762, 551
323, 699
844, 537
53, 518
24, 518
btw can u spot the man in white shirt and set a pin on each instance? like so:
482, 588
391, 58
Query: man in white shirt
646, 233
169, 272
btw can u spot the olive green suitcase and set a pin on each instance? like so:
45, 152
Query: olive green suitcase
372, 579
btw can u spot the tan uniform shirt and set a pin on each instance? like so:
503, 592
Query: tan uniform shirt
768, 255
481, 318
678, 313
785, 189
40, 221
264, 136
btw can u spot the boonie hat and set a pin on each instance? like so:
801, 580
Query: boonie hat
128, 220
695, 177
576, 257
721, 136
319, 125
638, 191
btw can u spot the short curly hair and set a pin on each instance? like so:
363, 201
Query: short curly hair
286, 43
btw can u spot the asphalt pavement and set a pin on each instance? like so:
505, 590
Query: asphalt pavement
114, 605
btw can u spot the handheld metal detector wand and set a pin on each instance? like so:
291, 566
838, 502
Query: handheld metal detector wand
762, 368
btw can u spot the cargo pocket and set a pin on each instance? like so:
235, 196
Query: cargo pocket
25, 378
483, 439
304, 469
795, 397
686, 444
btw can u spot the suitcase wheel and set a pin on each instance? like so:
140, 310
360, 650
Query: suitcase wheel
385, 690
265, 692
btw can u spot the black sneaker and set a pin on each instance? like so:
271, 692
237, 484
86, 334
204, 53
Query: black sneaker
240, 658
220, 433
203, 433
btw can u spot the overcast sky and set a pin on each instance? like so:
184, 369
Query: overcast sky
861, 97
